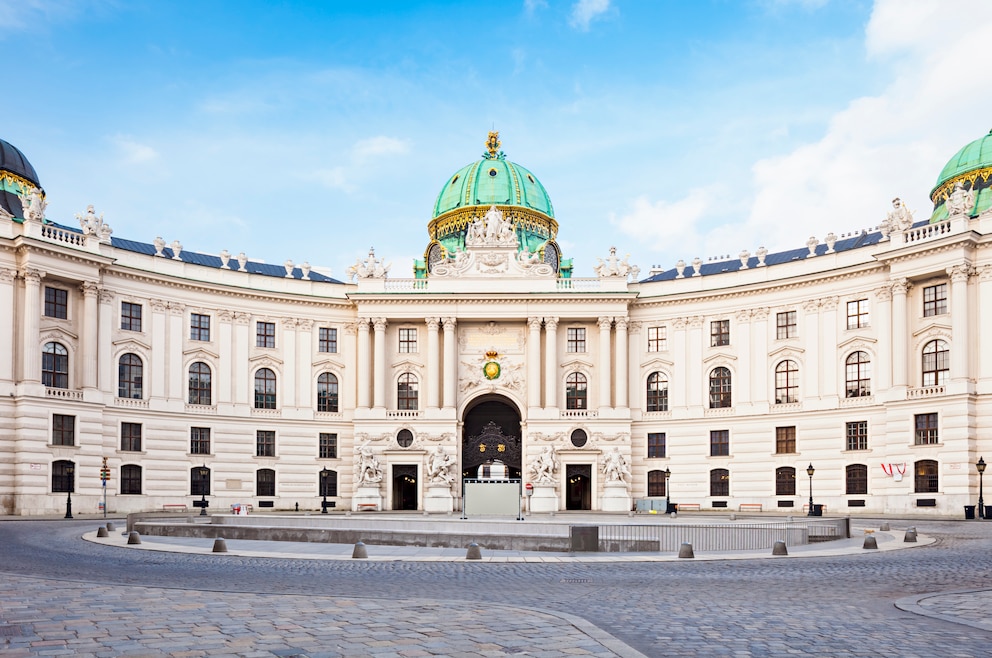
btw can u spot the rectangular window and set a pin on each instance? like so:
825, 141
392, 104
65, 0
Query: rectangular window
131, 437
576, 339
719, 333
857, 435
857, 314
720, 443
926, 429
56, 303
656, 444
265, 443
199, 440
199, 327
785, 481
935, 300
328, 446
785, 325
328, 340
131, 480
719, 482
785, 440
657, 339
130, 316
856, 479
63, 430
408, 340
656, 483
265, 482
265, 334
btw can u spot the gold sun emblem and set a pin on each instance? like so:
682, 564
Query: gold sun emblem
491, 370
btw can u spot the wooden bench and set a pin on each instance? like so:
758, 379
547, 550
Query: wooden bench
368, 507
688, 507
750, 507
174, 507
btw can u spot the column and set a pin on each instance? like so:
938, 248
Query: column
32, 325
811, 341
363, 367
550, 363
349, 380
287, 387
741, 339
882, 367
174, 374
7, 326
304, 361
900, 331
242, 346
634, 346
379, 355
759, 349
432, 385
605, 354
677, 390
225, 369
960, 344
450, 363
533, 362
828, 347
621, 363
160, 347
697, 381
105, 366
984, 318
90, 337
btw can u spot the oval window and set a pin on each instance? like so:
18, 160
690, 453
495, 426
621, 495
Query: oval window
579, 438
492, 172
404, 438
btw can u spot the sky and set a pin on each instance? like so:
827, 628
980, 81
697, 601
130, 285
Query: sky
313, 131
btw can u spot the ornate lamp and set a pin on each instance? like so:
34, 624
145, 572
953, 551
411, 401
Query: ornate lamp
981, 473
809, 471
69, 470
323, 489
204, 474
668, 505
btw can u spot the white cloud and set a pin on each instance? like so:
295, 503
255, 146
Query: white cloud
585, 12
377, 146
531, 6
659, 225
334, 178
132, 151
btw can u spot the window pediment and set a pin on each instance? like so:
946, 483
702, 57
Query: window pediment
857, 342
328, 364
787, 352
934, 330
657, 364
200, 354
722, 357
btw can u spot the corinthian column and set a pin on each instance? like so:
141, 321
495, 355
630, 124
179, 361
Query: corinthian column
450, 363
534, 362
89, 334
363, 365
959, 320
605, 324
32, 325
433, 359
621, 363
379, 355
551, 362
899, 329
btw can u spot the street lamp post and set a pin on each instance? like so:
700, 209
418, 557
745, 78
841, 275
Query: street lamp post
68, 491
323, 490
668, 505
981, 473
809, 471
204, 474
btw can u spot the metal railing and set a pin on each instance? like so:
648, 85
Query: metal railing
732, 536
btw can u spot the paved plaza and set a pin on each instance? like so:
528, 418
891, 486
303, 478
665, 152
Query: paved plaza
65, 596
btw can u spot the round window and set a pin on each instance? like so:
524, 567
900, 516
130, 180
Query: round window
579, 438
492, 172
404, 438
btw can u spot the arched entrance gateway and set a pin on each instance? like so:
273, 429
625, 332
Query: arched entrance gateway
491, 431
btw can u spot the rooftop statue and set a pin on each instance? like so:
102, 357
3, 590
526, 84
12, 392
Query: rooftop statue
613, 266
900, 217
960, 201
91, 224
370, 268
491, 230
34, 205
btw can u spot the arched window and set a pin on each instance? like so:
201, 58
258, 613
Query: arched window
719, 388
576, 391
265, 482
936, 363
199, 481
926, 476
858, 375
55, 365
785, 481
857, 479
130, 479
129, 377
63, 477
265, 389
199, 384
786, 382
656, 483
327, 393
719, 482
407, 392
657, 392
327, 483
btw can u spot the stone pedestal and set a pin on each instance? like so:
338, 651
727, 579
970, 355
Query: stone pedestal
544, 499
439, 499
367, 499
616, 498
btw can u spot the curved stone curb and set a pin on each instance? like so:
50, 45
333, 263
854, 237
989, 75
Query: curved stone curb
943, 605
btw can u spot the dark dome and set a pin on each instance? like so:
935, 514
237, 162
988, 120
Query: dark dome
16, 176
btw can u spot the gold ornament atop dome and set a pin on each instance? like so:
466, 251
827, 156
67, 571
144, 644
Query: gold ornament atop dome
493, 143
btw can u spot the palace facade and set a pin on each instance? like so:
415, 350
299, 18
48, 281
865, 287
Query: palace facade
190, 376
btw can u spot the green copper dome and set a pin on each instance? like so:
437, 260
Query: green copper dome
972, 167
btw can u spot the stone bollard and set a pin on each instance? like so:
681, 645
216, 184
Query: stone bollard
733, 517
910, 535
134, 537
110, 527
359, 551
220, 546
870, 542
685, 550
778, 548
474, 552
884, 527
102, 532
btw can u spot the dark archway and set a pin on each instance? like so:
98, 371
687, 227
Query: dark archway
404, 487
491, 430
578, 486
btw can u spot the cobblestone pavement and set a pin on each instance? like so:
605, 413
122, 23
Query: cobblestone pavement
59, 589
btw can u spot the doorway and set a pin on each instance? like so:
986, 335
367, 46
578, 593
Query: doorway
491, 431
405, 487
578, 486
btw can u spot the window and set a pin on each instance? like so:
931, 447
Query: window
857, 370
719, 443
130, 316
576, 391
327, 446
63, 430
786, 382
327, 483
404, 438
926, 430
199, 327
785, 325
129, 377
657, 339
936, 363
935, 300
856, 478
265, 334
857, 435
656, 444
327, 340
657, 392
265, 389
785, 440
408, 340
407, 392
719, 482
199, 481
63, 477
857, 314
131, 479
579, 438
719, 333
327, 393
200, 384
265, 443
265, 482
926, 476
576, 339
55, 365
720, 388
199, 440
56, 303
656, 483
131, 437
785, 481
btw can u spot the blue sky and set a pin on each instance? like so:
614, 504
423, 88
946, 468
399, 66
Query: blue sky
312, 131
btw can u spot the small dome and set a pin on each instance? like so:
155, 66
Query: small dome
17, 176
972, 167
